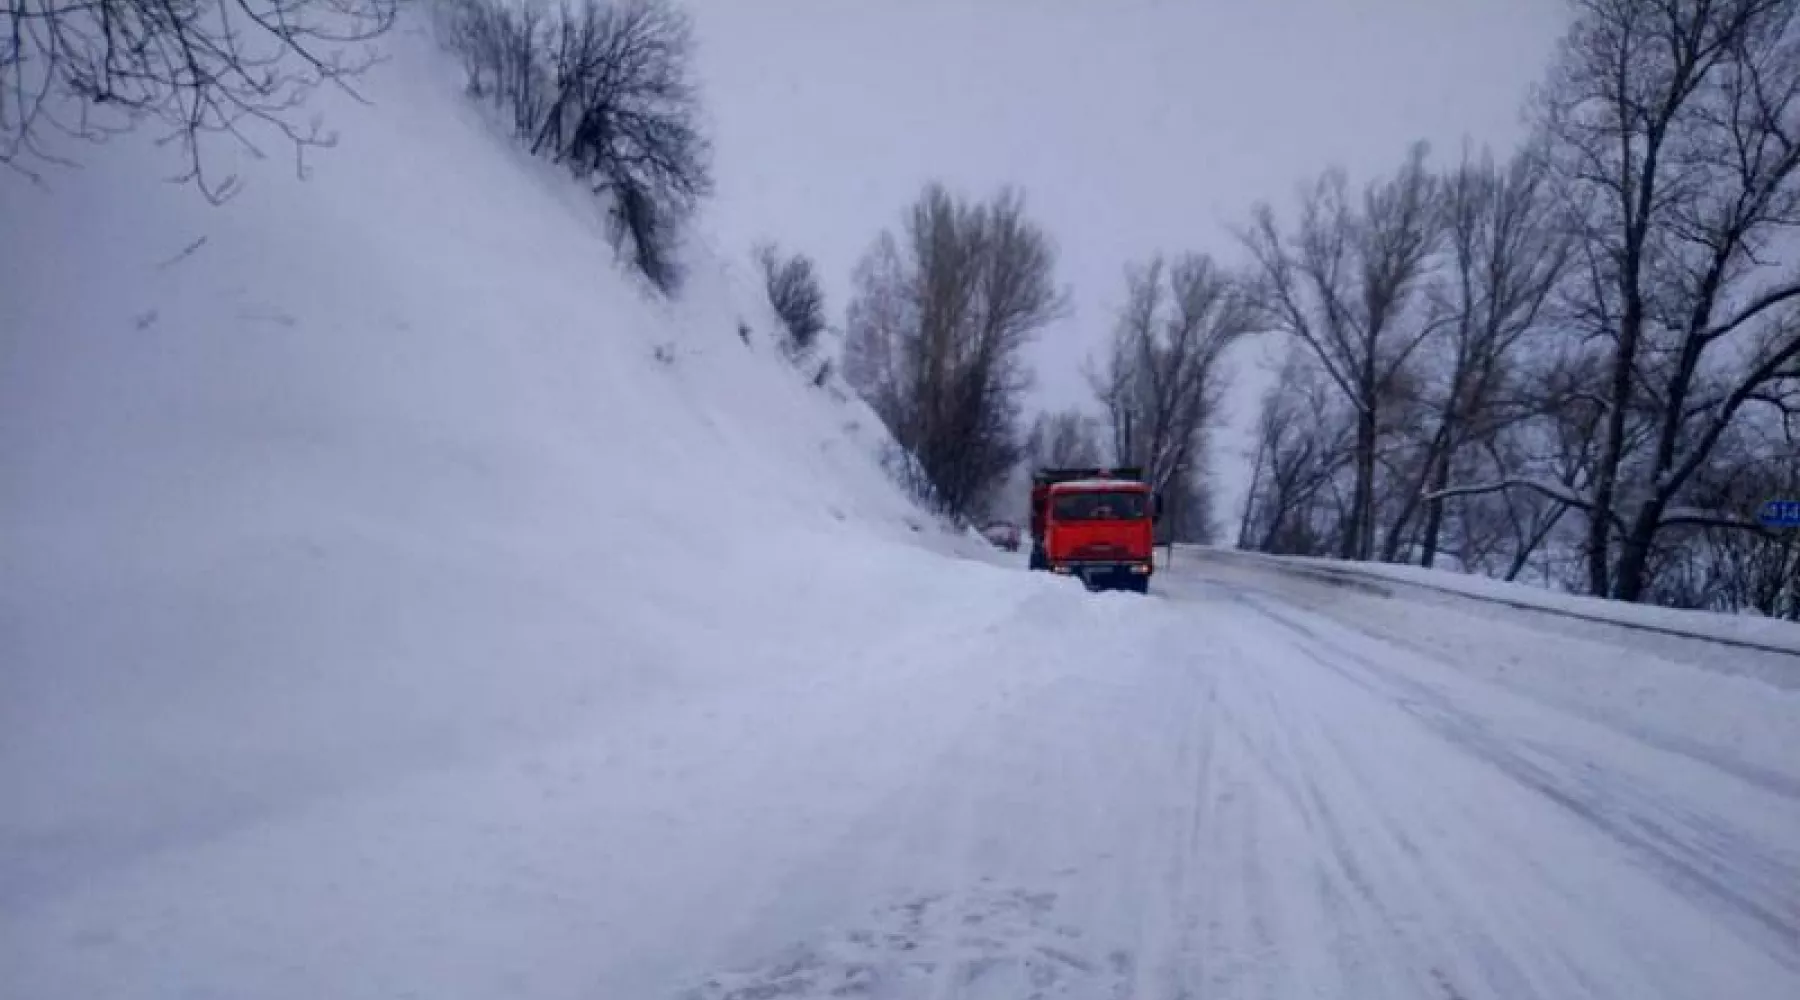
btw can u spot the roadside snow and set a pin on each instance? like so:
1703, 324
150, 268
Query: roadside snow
1747, 628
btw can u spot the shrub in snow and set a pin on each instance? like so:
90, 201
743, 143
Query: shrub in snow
795, 294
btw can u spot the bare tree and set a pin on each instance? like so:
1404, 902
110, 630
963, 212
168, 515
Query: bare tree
880, 314
1739, 568
1554, 449
89, 69
1345, 283
792, 284
1304, 433
1162, 379
1506, 257
503, 48
625, 115
1676, 131
968, 289
1536, 463
1064, 439
606, 90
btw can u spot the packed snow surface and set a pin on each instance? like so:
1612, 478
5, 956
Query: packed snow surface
1246, 786
397, 604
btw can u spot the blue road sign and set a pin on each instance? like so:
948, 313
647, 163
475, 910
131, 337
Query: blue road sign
1780, 514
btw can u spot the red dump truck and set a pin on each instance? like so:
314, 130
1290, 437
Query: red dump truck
1098, 524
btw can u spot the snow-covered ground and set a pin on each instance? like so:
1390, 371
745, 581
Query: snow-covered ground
395, 603
1242, 787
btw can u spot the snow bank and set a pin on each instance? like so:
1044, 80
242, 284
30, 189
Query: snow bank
1748, 629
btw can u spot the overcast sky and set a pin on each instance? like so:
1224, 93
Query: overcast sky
1132, 125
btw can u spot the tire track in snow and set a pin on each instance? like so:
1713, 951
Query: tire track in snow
1344, 919
1391, 891
1223, 796
958, 884
1744, 883
1519, 916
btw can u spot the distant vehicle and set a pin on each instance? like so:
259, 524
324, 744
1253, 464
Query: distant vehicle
1098, 524
1003, 535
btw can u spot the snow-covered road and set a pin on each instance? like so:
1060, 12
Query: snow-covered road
1244, 786
1252, 799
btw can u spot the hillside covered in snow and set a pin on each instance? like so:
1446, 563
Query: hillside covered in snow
362, 474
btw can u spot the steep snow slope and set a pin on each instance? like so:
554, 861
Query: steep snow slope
382, 470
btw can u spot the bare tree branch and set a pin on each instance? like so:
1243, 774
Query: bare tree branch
1345, 283
606, 90
198, 68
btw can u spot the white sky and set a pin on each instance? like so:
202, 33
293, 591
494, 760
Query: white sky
1132, 125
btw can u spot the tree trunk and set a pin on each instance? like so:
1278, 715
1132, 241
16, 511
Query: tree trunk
1434, 510
1256, 475
1522, 558
1634, 552
1272, 532
1434, 476
1358, 541
1390, 549
1171, 520
1612, 446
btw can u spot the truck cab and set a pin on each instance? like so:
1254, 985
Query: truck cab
1097, 524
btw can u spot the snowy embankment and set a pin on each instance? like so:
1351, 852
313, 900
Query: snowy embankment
1753, 632
375, 480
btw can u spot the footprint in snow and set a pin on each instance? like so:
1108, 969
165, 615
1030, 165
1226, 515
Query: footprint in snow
989, 944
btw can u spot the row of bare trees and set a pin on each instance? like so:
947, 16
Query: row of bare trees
605, 88
1160, 382
1579, 365
935, 334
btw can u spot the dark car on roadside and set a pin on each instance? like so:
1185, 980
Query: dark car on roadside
1002, 535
